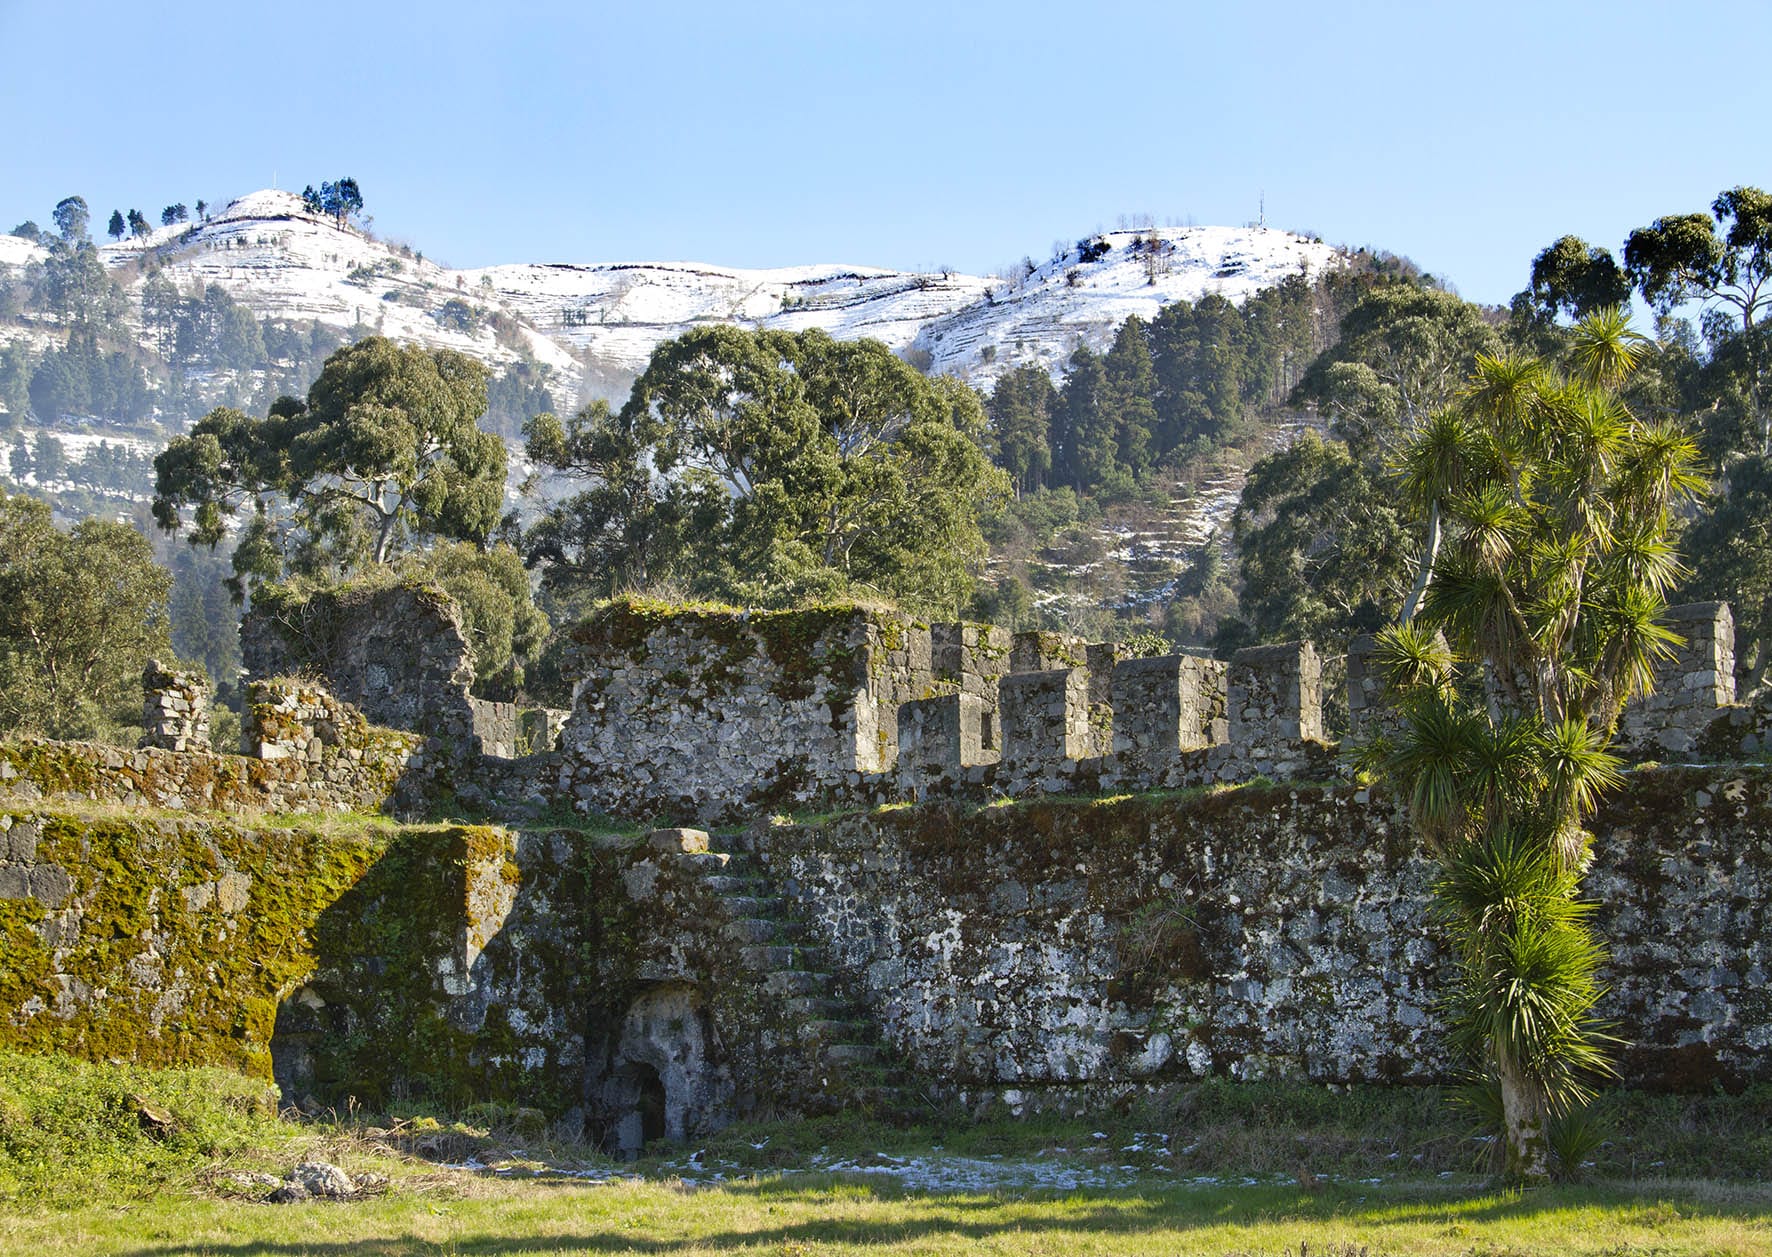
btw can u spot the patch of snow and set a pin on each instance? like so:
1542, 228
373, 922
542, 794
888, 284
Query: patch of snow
17, 251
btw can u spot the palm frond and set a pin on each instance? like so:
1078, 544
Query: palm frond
1604, 350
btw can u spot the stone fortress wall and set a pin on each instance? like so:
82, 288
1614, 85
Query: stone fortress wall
719, 716
1064, 944
714, 715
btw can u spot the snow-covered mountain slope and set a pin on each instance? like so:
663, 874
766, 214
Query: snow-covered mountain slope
1045, 315
17, 251
270, 254
597, 324
968, 326
614, 314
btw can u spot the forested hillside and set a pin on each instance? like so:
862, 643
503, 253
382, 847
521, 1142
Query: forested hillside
1212, 459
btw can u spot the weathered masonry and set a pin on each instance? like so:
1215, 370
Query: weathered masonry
1117, 874
715, 715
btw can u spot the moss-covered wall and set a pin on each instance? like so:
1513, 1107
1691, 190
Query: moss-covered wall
450, 969
393, 648
1263, 931
358, 772
350, 957
161, 940
353, 957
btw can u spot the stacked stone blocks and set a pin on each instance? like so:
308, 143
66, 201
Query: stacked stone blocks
175, 708
1046, 730
1691, 687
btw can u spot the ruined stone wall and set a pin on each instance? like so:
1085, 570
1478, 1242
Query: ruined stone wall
714, 714
155, 939
1690, 688
1259, 932
449, 969
454, 962
308, 753
1262, 932
397, 652
175, 708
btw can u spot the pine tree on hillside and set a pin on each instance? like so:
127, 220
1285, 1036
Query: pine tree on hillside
1087, 451
138, 223
1130, 384
116, 228
1021, 411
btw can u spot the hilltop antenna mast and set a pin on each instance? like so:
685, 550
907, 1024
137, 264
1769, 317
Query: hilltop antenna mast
1261, 213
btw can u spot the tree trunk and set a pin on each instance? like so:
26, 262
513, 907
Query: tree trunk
1525, 1116
384, 539
1413, 606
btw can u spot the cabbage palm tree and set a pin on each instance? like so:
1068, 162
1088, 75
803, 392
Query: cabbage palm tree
1546, 566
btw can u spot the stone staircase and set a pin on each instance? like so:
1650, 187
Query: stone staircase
778, 945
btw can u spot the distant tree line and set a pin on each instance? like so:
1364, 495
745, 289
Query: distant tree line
1189, 379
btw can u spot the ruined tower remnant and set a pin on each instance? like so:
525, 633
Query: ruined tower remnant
175, 708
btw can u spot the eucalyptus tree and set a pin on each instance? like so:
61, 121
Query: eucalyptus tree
383, 455
81, 612
770, 468
1540, 621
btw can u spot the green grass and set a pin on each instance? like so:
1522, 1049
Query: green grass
800, 1218
1386, 1171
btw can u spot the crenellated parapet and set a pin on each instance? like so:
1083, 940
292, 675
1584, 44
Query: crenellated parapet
718, 713
1047, 736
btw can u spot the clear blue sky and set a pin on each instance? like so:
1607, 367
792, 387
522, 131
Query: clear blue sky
904, 134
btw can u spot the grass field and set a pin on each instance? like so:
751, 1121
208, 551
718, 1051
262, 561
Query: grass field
783, 1216
88, 1164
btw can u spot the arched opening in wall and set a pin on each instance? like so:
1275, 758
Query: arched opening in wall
310, 1026
637, 1094
664, 1079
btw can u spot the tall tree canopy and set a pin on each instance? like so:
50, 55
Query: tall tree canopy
81, 612
1404, 351
1719, 262
1321, 548
772, 467
384, 452
1574, 278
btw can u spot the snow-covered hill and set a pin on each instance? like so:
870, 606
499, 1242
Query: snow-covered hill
270, 254
596, 324
1066, 302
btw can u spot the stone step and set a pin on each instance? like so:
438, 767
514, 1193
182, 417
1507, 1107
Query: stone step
770, 956
731, 884
707, 861
749, 905
797, 982
838, 1029
818, 1007
750, 929
850, 1053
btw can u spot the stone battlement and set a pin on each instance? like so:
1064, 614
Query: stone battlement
719, 715
716, 714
